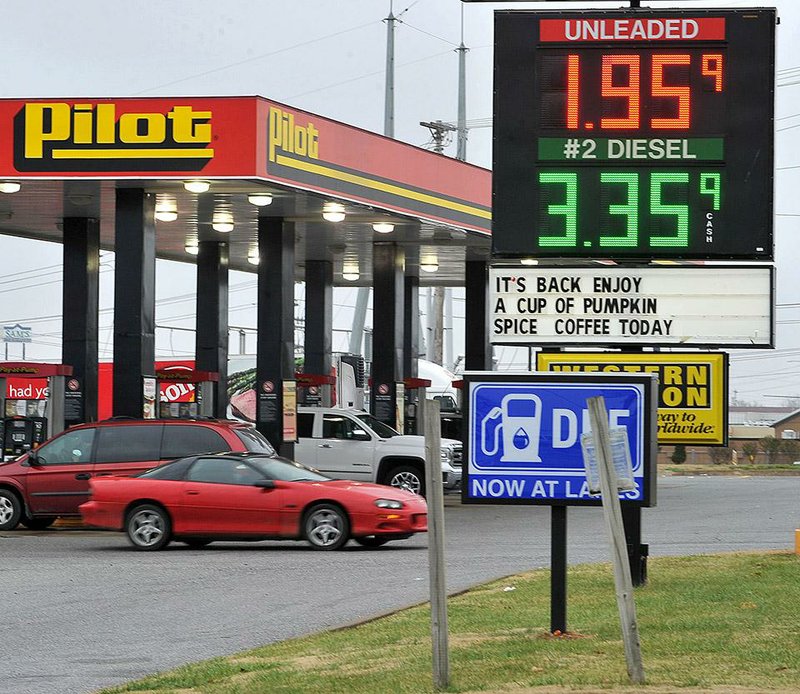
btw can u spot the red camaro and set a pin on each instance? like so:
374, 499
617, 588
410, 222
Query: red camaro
246, 496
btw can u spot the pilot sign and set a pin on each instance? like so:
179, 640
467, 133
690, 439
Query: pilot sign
524, 431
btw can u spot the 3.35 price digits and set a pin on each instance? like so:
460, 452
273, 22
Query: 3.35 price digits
658, 202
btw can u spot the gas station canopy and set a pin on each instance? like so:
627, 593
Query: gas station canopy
66, 158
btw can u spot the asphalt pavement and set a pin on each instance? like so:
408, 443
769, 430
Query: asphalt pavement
82, 611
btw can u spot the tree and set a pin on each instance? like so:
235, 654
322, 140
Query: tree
679, 454
771, 447
790, 449
720, 456
750, 449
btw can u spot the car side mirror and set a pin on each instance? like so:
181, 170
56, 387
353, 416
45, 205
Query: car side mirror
33, 458
360, 434
264, 484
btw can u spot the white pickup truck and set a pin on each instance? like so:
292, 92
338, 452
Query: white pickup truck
352, 444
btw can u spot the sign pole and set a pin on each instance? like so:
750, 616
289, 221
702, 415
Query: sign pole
558, 569
613, 516
438, 591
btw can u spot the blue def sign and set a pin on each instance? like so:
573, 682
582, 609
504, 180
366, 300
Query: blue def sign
524, 435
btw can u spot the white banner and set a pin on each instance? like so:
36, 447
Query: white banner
687, 306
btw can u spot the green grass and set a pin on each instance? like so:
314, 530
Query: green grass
712, 622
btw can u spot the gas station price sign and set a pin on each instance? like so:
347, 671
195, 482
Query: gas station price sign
634, 134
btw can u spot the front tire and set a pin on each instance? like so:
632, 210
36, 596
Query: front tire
148, 527
407, 477
326, 527
10, 509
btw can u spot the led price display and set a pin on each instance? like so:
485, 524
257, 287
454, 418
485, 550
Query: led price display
638, 134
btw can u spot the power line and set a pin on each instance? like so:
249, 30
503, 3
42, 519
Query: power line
257, 57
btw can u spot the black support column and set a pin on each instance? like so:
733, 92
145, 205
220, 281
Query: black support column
275, 346
388, 270
478, 351
79, 309
411, 350
134, 299
211, 336
318, 339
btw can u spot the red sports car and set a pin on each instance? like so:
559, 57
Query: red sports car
247, 496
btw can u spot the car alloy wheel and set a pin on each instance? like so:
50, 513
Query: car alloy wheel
408, 478
148, 527
10, 510
326, 527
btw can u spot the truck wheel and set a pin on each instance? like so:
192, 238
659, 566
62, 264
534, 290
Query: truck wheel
407, 477
10, 509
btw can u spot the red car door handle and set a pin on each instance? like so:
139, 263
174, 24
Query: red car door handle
191, 492
83, 476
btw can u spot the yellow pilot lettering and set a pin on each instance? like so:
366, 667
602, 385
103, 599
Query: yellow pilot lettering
285, 135
58, 131
142, 127
82, 128
36, 134
185, 129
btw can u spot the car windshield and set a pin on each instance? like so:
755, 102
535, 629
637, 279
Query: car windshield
254, 441
381, 429
286, 470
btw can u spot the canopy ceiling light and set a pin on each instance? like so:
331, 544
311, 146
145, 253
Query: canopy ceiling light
252, 256
333, 212
350, 272
9, 187
192, 247
429, 264
383, 227
259, 199
529, 261
196, 186
222, 222
166, 210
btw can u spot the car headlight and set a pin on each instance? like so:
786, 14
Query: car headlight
447, 455
388, 503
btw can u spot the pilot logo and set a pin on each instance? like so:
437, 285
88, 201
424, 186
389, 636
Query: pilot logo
57, 136
288, 137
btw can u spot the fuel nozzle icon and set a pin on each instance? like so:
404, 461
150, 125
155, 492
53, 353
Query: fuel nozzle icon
519, 419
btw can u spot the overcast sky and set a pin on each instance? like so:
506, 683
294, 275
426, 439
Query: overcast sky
328, 57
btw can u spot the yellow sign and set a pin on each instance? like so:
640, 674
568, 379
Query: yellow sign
692, 389
289, 411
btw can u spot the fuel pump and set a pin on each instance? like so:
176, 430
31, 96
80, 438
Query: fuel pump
33, 404
415, 404
185, 393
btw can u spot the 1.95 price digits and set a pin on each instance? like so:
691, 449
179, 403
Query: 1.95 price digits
667, 198
649, 90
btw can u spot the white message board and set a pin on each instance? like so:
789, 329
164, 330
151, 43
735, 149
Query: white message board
697, 305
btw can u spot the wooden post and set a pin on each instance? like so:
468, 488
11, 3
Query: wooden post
613, 517
438, 590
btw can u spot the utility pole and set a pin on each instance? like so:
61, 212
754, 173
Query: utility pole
388, 108
461, 140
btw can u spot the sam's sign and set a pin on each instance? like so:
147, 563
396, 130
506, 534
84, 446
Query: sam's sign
62, 136
692, 389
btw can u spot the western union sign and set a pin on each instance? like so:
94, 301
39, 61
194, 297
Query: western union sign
692, 391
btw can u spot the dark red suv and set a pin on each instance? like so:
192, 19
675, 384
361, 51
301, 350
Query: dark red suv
53, 480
